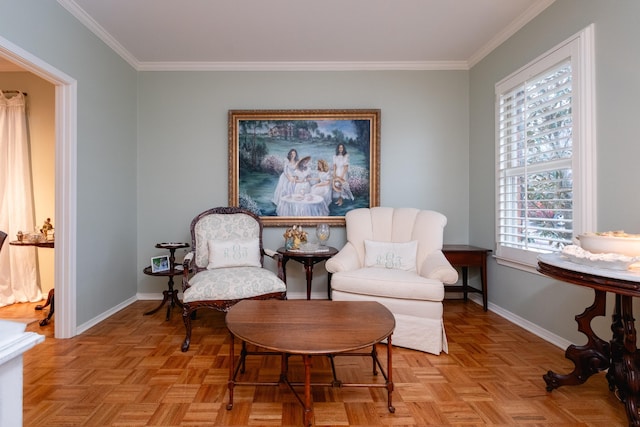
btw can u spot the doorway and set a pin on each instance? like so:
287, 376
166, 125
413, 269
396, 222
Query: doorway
65, 182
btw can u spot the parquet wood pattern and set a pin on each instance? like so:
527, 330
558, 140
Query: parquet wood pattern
129, 371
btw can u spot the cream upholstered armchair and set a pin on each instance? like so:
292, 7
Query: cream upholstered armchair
394, 256
226, 264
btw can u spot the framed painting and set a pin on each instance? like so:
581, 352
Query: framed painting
304, 166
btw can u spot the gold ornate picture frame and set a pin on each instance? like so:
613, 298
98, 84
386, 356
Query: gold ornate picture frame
304, 166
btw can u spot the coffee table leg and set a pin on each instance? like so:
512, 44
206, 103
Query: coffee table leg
308, 409
231, 382
389, 376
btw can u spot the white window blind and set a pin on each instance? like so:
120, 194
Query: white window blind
545, 153
535, 150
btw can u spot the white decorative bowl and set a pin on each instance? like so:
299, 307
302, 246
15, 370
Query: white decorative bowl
624, 244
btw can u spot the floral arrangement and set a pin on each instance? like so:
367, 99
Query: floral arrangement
294, 236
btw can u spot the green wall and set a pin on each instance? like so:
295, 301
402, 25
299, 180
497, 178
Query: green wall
183, 145
106, 147
550, 304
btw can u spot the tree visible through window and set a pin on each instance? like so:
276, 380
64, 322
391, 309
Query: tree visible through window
535, 184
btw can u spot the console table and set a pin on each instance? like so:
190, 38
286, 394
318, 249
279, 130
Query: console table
620, 354
465, 256
51, 295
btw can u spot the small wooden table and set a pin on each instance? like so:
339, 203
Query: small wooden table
51, 295
170, 295
465, 256
620, 355
310, 328
308, 259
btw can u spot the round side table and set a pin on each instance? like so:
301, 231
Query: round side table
170, 295
308, 259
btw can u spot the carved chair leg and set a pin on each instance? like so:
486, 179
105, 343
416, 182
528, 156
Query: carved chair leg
186, 318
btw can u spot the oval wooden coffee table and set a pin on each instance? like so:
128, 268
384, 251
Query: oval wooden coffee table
310, 328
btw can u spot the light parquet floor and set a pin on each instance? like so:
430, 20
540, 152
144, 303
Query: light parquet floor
129, 371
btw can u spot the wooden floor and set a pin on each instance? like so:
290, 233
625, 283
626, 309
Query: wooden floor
129, 371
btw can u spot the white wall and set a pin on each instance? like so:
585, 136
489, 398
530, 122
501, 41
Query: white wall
183, 145
549, 303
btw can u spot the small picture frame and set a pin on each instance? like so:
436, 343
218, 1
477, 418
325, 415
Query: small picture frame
160, 264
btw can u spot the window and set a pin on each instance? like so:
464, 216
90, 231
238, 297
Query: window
545, 153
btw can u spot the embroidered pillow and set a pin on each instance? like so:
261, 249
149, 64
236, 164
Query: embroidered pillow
234, 253
399, 256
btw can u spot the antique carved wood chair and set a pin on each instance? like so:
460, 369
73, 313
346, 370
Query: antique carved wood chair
394, 256
226, 264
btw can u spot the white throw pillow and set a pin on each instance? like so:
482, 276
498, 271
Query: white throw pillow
399, 256
234, 253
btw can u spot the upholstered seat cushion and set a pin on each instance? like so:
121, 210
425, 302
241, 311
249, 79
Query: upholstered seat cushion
232, 283
388, 283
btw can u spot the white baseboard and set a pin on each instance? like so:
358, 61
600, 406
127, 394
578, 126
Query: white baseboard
91, 323
153, 296
523, 323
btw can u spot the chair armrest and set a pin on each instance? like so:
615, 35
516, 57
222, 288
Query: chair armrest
345, 260
271, 253
278, 258
186, 262
186, 268
436, 266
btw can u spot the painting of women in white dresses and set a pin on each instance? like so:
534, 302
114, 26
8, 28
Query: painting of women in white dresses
305, 167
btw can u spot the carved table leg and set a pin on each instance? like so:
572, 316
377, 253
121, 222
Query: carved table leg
630, 388
390, 406
614, 374
308, 269
50, 302
52, 310
308, 405
588, 359
231, 383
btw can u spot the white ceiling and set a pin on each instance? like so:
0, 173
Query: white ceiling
303, 34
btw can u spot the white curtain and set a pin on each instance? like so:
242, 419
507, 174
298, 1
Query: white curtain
18, 265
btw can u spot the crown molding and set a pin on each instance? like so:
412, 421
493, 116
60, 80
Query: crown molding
510, 30
304, 66
102, 34
99, 31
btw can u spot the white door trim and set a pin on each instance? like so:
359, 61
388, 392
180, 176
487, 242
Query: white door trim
65, 186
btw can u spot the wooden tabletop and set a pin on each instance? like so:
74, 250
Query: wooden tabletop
310, 327
325, 253
46, 244
621, 282
463, 248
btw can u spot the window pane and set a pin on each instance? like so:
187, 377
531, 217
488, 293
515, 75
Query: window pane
545, 193
549, 210
535, 187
